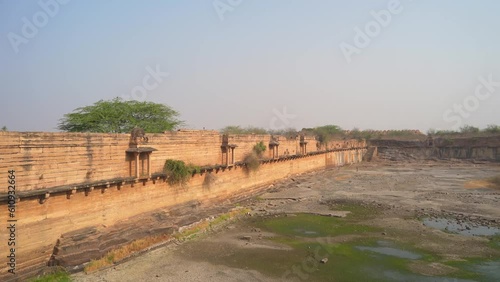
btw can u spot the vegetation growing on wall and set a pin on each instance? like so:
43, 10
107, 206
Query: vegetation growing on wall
209, 180
252, 159
178, 172
259, 148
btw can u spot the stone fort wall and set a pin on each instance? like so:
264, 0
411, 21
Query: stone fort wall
45, 161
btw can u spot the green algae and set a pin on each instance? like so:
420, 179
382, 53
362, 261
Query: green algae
310, 225
355, 251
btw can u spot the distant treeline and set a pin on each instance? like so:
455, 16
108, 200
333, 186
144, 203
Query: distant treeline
467, 131
329, 132
325, 133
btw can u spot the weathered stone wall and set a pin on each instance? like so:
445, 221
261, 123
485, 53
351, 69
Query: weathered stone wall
44, 160
477, 148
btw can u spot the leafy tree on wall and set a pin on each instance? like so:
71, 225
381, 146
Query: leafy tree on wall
119, 116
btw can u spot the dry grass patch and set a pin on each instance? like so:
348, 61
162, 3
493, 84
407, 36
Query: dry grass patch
476, 184
191, 231
493, 182
123, 252
342, 177
206, 225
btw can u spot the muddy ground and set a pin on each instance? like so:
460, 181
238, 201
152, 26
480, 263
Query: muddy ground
372, 222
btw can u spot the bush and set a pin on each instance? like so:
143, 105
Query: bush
252, 161
178, 172
259, 148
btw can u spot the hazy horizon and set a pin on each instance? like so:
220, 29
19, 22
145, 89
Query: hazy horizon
371, 64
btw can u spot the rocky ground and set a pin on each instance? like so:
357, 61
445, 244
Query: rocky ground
399, 194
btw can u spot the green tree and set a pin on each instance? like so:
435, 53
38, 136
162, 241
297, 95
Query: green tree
4, 128
232, 129
289, 133
236, 129
469, 129
492, 128
119, 116
325, 133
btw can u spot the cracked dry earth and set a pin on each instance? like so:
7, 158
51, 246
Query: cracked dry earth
389, 201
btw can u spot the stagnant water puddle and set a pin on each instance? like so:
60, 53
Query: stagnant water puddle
305, 232
367, 259
382, 272
398, 276
387, 248
467, 229
489, 270
354, 252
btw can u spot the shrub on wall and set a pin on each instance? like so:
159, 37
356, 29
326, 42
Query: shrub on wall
259, 148
252, 161
209, 180
178, 172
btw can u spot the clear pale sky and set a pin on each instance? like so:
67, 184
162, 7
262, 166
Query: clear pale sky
248, 64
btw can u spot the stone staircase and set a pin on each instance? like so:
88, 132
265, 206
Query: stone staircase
370, 154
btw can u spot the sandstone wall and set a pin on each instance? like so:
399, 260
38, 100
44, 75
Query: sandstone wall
477, 148
44, 160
